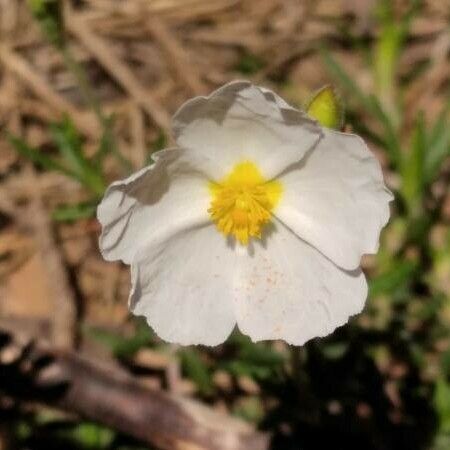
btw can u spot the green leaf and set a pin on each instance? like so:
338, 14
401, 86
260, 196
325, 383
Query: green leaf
326, 107
387, 50
344, 79
391, 136
386, 55
438, 145
160, 142
68, 142
262, 355
399, 274
108, 146
39, 158
49, 15
196, 369
250, 409
412, 169
69, 213
334, 350
249, 64
258, 361
237, 367
93, 436
442, 404
119, 345
437, 153
367, 102
441, 122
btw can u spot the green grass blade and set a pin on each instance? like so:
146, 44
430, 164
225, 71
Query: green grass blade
441, 122
197, 370
71, 213
68, 142
391, 139
387, 282
42, 160
438, 150
121, 347
438, 144
367, 102
412, 169
338, 72
108, 146
442, 404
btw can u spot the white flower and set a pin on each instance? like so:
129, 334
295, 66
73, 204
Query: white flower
259, 218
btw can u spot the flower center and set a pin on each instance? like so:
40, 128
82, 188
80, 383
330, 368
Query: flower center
243, 201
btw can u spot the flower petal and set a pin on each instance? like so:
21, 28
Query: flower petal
241, 122
336, 200
182, 286
168, 196
289, 290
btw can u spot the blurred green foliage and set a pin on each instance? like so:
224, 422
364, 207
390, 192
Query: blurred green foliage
71, 162
48, 14
123, 346
249, 64
404, 287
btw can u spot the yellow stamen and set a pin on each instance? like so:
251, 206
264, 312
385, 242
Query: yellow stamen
243, 201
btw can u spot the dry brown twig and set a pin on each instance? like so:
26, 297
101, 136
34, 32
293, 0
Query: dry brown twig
21, 68
116, 68
78, 385
178, 58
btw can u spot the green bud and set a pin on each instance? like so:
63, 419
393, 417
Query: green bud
325, 106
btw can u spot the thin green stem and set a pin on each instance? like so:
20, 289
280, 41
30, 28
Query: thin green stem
91, 99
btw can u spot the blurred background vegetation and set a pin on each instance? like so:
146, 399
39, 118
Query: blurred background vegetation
86, 94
